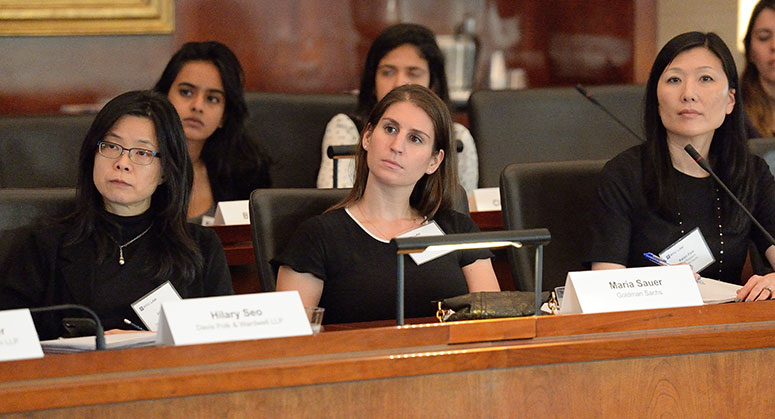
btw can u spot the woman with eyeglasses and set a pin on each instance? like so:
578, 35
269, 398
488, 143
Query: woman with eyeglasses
128, 233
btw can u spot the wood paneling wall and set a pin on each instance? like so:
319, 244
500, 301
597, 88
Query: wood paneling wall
318, 46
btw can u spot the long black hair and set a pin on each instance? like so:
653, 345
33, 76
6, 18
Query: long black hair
179, 257
758, 104
235, 163
432, 192
728, 154
389, 39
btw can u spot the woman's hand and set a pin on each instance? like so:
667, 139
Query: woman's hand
757, 288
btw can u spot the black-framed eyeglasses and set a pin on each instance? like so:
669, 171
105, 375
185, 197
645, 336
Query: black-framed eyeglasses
137, 155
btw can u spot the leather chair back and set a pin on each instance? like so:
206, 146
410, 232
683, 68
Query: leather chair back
290, 128
274, 216
551, 124
558, 196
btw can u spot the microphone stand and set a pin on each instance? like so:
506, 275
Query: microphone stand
99, 332
589, 97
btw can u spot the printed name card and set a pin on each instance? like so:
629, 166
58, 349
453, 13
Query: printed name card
232, 213
148, 307
18, 338
630, 289
485, 199
230, 318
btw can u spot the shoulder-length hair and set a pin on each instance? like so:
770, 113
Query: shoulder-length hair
758, 104
432, 192
391, 38
230, 156
728, 154
179, 256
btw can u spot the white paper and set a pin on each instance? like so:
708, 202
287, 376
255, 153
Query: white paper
609, 290
231, 318
232, 213
485, 199
691, 249
112, 341
148, 306
18, 337
714, 291
426, 230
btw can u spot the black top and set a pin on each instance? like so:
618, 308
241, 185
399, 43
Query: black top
359, 270
624, 225
42, 272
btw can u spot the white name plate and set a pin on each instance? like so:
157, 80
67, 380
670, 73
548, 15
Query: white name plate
485, 199
230, 318
148, 307
630, 289
232, 213
18, 338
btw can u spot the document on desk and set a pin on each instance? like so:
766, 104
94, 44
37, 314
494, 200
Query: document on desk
87, 343
714, 292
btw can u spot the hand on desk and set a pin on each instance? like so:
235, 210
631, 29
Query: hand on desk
757, 288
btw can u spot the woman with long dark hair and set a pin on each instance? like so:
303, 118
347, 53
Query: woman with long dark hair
128, 233
401, 54
654, 194
758, 80
343, 261
204, 81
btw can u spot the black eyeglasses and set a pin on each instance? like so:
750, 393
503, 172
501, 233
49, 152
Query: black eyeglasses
137, 155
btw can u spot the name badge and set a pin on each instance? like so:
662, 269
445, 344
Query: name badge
232, 213
148, 307
231, 318
630, 289
691, 249
429, 229
18, 338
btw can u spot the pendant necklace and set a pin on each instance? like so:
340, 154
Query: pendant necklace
121, 247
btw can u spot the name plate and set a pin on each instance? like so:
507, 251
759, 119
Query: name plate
232, 213
630, 289
485, 199
231, 318
18, 338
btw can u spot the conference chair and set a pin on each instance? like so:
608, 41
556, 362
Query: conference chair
289, 128
274, 216
558, 196
24, 209
551, 124
764, 148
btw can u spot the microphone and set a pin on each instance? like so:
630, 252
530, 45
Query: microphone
99, 332
705, 166
589, 97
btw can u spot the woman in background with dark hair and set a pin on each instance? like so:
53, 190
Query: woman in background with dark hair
128, 233
758, 81
401, 54
204, 81
654, 194
343, 261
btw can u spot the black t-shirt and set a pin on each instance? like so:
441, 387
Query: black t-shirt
624, 225
359, 270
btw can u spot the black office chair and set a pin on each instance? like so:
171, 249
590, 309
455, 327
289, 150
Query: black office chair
274, 216
558, 196
764, 148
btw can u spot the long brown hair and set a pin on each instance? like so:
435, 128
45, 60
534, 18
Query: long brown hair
758, 104
432, 192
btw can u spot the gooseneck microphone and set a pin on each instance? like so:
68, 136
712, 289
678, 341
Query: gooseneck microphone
705, 166
590, 98
99, 332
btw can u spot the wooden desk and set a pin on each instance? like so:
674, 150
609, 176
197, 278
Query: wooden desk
238, 245
710, 361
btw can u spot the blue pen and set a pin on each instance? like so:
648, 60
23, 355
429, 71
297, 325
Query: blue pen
655, 259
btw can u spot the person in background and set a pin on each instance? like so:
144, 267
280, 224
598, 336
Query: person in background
758, 80
204, 81
401, 54
654, 194
128, 233
343, 261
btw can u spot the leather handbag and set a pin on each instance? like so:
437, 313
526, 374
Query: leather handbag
488, 305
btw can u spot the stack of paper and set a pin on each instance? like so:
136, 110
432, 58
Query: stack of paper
87, 343
714, 292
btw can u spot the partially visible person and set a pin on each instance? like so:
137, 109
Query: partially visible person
128, 233
758, 81
343, 261
654, 194
204, 81
401, 54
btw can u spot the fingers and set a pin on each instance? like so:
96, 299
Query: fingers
757, 288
